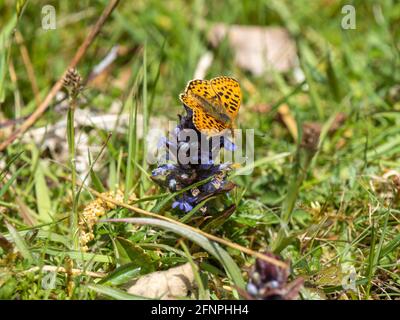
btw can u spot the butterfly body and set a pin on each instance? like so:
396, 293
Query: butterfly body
213, 108
215, 103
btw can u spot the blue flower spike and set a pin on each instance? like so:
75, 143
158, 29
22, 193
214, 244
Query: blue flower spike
201, 166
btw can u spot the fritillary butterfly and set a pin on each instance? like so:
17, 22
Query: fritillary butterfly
215, 103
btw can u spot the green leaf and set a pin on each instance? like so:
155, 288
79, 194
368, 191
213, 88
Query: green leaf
8, 288
334, 84
217, 222
213, 248
98, 186
19, 242
6, 168
121, 274
130, 253
391, 246
42, 195
20, 6
7, 185
4, 53
132, 142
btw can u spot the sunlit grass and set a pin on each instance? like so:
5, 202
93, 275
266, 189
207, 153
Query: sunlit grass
339, 209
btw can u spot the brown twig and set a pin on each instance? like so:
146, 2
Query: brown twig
204, 234
58, 85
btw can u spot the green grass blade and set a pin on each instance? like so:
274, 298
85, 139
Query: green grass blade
130, 166
7, 185
203, 295
19, 243
121, 275
42, 195
4, 53
98, 186
114, 293
213, 248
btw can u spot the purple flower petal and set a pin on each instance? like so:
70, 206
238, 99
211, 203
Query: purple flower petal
187, 207
175, 204
185, 203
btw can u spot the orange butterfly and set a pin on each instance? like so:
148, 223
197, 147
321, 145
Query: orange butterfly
215, 103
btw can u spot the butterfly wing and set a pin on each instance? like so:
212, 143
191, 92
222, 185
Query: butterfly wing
206, 123
201, 88
229, 93
201, 119
221, 102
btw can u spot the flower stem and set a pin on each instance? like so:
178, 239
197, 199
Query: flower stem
71, 155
